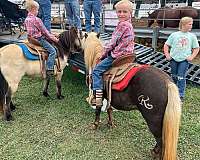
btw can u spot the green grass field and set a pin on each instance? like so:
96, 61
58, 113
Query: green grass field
47, 128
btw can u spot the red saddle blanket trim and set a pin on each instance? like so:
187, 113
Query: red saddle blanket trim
119, 86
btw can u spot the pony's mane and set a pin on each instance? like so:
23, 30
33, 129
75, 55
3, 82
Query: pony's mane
93, 49
66, 38
63, 44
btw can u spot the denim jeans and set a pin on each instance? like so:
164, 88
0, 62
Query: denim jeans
45, 13
51, 51
72, 9
95, 7
97, 79
178, 72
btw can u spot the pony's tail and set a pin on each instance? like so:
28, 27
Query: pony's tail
5, 98
3, 89
171, 123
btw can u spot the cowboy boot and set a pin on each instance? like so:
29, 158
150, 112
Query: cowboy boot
99, 97
93, 99
99, 104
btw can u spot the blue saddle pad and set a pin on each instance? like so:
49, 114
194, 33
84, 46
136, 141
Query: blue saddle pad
27, 53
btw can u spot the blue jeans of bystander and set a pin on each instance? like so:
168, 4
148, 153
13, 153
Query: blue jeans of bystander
104, 65
51, 51
72, 8
95, 7
45, 13
178, 72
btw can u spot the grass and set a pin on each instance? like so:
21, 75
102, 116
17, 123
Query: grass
47, 128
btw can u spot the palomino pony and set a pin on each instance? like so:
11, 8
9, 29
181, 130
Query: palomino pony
14, 66
153, 93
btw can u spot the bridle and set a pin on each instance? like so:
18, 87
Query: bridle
70, 43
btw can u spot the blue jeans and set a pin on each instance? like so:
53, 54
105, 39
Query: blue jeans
95, 7
45, 13
178, 72
97, 79
51, 51
72, 9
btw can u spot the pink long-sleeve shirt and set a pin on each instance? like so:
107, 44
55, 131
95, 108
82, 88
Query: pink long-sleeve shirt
35, 27
122, 41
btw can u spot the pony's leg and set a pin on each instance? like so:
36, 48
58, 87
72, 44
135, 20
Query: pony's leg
156, 130
46, 85
99, 104
156, 152
110, 117
58, 90
58, 85
12, 106
6, 106
97, 117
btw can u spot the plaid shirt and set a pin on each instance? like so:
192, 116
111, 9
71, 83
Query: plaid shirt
122, 41
35, 27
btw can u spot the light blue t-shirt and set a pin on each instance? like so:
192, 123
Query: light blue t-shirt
181, 44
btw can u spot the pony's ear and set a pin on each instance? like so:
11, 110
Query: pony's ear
86, 35
98, 35
74, 29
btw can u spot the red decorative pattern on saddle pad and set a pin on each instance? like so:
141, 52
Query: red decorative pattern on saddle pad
119, 86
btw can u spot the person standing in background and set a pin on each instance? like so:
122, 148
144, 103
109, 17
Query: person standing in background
45, 12
95, 7
181, 48
72, 9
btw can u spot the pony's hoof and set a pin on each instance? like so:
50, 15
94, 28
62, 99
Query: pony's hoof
60, 97
8, 118
94, 126
111, 125
12, 107
46, 94
155, 154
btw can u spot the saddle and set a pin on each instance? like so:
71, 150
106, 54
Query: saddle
35, 48
120, 68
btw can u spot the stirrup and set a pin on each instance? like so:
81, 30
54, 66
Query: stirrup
93, 101
50, 72
99, 102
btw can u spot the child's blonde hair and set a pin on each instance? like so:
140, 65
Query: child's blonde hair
128, 4
184, 21
30, 4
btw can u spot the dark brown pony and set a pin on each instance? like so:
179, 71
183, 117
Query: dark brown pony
170, 17
14, 66
153, 93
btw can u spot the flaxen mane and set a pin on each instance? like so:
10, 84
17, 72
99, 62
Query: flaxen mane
93, 49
